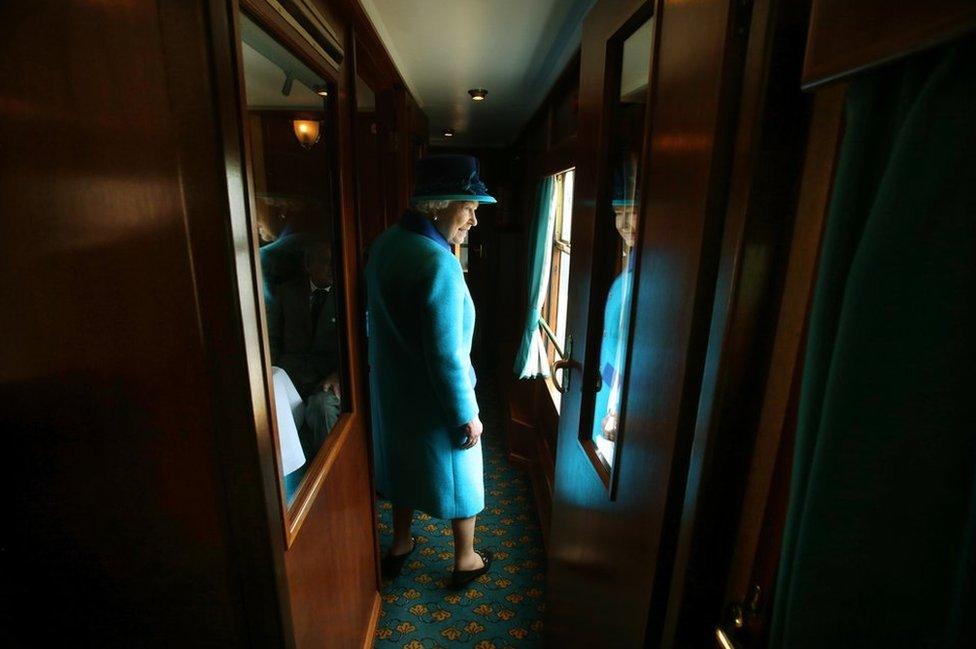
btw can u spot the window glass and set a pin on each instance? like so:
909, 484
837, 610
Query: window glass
370, 143
294, 174
627, 140
554, 310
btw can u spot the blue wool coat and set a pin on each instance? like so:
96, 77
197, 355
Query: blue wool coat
612, 346
420, 325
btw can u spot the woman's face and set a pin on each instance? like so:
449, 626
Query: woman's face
455, 220
625, 220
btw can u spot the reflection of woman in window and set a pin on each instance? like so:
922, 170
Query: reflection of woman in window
617, 310
421, 319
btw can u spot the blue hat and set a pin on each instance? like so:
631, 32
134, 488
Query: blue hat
625, 192
449, 178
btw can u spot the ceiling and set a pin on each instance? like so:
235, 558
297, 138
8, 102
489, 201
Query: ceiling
513, 48
267, 66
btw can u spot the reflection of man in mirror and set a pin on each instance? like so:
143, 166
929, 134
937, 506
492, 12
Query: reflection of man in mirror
303, 334
617, 310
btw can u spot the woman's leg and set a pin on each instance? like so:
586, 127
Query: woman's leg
402, 538
465, 558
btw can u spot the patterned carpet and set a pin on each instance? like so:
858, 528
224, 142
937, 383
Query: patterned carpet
503, 608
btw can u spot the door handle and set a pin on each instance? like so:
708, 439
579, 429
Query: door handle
739, 617
566, 363
563, 364
724, 640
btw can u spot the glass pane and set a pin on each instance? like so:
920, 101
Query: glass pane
628, 137
365, 97
555, 307
369, 165
567, 208
563, 298
288, 127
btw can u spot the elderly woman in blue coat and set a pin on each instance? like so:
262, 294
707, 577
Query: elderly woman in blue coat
426, 427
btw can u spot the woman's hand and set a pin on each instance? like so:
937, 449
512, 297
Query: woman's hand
609, 426
473, 431
331, 384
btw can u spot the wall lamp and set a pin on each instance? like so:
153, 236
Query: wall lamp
307, 131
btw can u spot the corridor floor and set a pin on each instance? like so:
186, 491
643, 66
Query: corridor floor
503, 608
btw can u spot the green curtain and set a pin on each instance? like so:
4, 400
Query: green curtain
531, 359
880, 541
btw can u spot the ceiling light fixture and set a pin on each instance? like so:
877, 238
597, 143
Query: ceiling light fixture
448, 132
322, 91
478, 94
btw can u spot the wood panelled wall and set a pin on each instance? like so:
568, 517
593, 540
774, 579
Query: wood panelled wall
135, 482
546, 145
139, 466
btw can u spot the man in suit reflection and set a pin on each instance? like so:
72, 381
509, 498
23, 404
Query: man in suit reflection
304, 342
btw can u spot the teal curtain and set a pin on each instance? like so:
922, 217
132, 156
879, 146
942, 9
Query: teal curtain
531, 359
880, 541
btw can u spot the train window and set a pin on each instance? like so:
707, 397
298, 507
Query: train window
293, 176
555, 307
627, 139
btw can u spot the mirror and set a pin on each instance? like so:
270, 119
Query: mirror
627, 140
289, 122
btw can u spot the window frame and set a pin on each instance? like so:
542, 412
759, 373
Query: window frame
551, 325
295, 513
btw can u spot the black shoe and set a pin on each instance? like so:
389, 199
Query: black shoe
392, 564
460, 578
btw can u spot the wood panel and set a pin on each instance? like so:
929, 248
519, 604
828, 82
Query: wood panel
765, 177
763, 513
547, 144
848, 37
125, 433
332, 513
609, 560
331, 569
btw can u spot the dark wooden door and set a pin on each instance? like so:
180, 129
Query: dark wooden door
655, 138
841, 41
137, 508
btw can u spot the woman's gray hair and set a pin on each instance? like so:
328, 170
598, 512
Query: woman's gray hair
430, 208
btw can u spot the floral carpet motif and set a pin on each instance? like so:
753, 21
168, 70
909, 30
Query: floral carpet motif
503, 608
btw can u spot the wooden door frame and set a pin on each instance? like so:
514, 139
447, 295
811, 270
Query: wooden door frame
612, 559
226, 300
843, 40
848, 38
753, 259
296, 513
348, 443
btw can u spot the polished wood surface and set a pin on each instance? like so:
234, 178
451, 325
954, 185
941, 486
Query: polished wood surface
372, 150
763, 513
849, 37
374, 617
331, 536
124, 388
331, 570
135, 373
762, 197
610, 560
